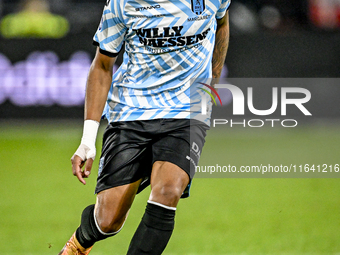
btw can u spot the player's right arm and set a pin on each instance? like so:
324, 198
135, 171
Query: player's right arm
97, 88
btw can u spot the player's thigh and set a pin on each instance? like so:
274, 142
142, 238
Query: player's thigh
168, 182
125, 157
175, 157
113, 204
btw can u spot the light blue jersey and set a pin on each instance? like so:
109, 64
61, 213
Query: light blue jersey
168, 45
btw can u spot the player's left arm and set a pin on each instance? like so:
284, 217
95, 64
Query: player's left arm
221, 47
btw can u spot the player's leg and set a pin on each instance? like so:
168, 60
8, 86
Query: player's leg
107, 217
123, 154
168, 182
102, 220
113, 205
175, 155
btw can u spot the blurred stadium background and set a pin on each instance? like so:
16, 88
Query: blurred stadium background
42, 82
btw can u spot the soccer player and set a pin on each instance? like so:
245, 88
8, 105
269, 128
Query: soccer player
156, 130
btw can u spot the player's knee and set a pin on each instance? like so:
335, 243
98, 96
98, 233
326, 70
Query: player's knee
110, 225
168, 194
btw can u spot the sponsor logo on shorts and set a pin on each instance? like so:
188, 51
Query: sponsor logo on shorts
196, 150
195, 153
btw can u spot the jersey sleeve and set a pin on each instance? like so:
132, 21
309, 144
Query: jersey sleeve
223, 8
110, 34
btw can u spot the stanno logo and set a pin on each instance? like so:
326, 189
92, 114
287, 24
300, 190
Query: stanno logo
157, 6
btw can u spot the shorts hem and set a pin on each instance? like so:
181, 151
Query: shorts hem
114, 185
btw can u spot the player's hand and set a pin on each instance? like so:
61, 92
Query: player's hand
83, 154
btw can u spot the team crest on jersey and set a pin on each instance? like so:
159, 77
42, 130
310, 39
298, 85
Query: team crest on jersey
197, 6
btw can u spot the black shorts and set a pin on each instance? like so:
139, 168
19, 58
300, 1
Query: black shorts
130, 148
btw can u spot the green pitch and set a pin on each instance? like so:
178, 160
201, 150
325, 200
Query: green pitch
41, 201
